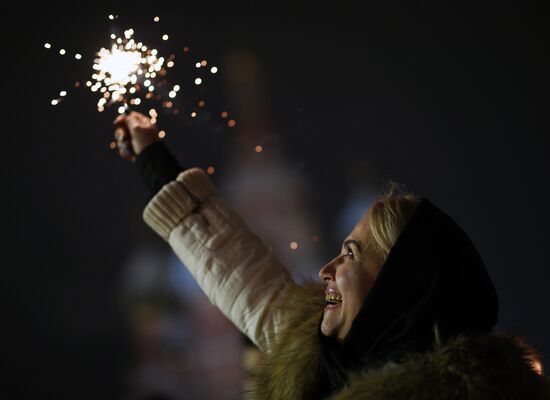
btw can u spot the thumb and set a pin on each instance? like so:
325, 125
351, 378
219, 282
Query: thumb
120, 120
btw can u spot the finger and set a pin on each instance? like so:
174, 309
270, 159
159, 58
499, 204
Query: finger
121, 134
120, 120
122, 152
125, 149
143, 119
133, 123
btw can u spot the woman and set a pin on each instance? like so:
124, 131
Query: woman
406, 310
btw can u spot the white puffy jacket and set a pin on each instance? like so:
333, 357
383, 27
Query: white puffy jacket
231, 264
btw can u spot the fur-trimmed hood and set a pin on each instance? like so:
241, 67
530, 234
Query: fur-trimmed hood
484, 367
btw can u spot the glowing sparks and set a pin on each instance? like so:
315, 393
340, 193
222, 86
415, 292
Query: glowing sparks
120, 69
127, 72
258, 149
162, 134
117, 66
293, 245
210, 170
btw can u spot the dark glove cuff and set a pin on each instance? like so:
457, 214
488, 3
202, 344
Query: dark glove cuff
157, 166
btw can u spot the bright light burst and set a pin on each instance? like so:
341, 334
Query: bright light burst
129, 73
120, 71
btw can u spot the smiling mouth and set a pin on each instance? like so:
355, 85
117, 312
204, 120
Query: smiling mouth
333, 299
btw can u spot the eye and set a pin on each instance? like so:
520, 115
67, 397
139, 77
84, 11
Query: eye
349, 251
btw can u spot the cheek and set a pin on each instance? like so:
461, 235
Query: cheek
354, 286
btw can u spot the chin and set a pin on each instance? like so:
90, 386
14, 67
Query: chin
327, 331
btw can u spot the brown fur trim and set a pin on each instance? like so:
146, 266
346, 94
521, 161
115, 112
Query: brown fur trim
486, 367
291, 370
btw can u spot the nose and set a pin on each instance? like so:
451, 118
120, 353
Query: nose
327, 273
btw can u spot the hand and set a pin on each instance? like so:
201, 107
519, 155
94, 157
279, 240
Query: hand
133, 133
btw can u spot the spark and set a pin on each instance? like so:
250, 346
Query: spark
210, 170
198, 81
293, 245
172, 94
156, 19
214, 70
77, 56
231, 123
62, 52
258, 149
162, 134
165, 37
63, 93
47, 45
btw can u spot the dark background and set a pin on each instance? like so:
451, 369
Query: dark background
447, 100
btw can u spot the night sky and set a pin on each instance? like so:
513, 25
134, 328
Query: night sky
446, 100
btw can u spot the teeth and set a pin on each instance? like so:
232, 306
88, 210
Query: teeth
333, 298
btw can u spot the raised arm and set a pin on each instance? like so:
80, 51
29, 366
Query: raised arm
231, 264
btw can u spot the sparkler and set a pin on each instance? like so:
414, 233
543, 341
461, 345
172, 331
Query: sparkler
129, 73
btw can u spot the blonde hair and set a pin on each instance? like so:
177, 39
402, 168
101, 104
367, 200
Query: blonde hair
388, 216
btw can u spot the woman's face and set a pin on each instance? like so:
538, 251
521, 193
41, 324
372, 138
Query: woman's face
349, 277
